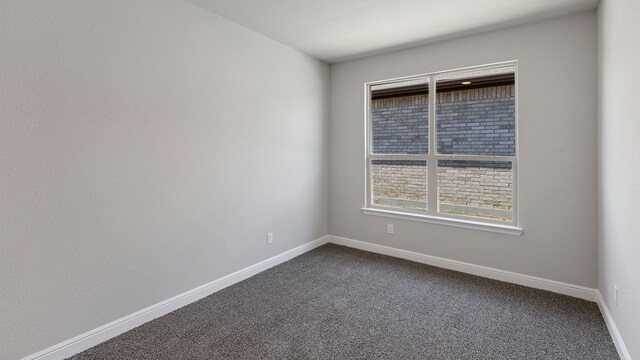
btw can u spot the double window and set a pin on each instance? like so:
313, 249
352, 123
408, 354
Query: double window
443, 145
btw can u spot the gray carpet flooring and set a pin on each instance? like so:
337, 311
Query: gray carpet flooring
340, 303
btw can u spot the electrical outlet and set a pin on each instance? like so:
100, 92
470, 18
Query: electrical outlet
270, 238
615, 288
389, 228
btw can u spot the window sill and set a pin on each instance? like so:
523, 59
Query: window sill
466, 224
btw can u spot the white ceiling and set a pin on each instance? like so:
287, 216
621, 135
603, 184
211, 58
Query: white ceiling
337, 30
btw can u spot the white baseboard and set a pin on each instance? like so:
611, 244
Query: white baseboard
105, 332
507, 276
487, 272
613, 329
96, 336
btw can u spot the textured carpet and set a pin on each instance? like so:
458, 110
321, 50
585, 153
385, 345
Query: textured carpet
340, 303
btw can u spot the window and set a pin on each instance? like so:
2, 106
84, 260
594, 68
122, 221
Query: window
442, 146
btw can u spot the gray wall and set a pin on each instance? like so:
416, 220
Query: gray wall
619, 165
557, 120
146, 148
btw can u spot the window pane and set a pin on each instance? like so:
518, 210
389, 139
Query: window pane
476, 113
400, 119
399, 183
476, 188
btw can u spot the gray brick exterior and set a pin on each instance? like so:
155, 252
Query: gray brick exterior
476, 121
400, 125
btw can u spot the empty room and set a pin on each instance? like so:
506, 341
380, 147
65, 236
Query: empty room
306, 179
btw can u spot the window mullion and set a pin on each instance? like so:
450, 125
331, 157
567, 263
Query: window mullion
432, 169
475, 157
397, 157
464, 192
368, 133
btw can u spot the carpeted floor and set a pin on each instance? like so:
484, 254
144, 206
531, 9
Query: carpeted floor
340, 303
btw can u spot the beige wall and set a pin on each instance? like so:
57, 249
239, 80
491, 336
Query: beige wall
146, 148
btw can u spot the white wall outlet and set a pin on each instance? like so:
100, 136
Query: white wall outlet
615, 289
270, 238
389, 228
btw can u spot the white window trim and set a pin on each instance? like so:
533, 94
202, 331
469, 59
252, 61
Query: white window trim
431, 215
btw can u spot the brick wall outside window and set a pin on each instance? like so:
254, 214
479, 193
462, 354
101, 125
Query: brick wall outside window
400, 126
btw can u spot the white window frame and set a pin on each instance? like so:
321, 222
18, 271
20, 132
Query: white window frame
431, 214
